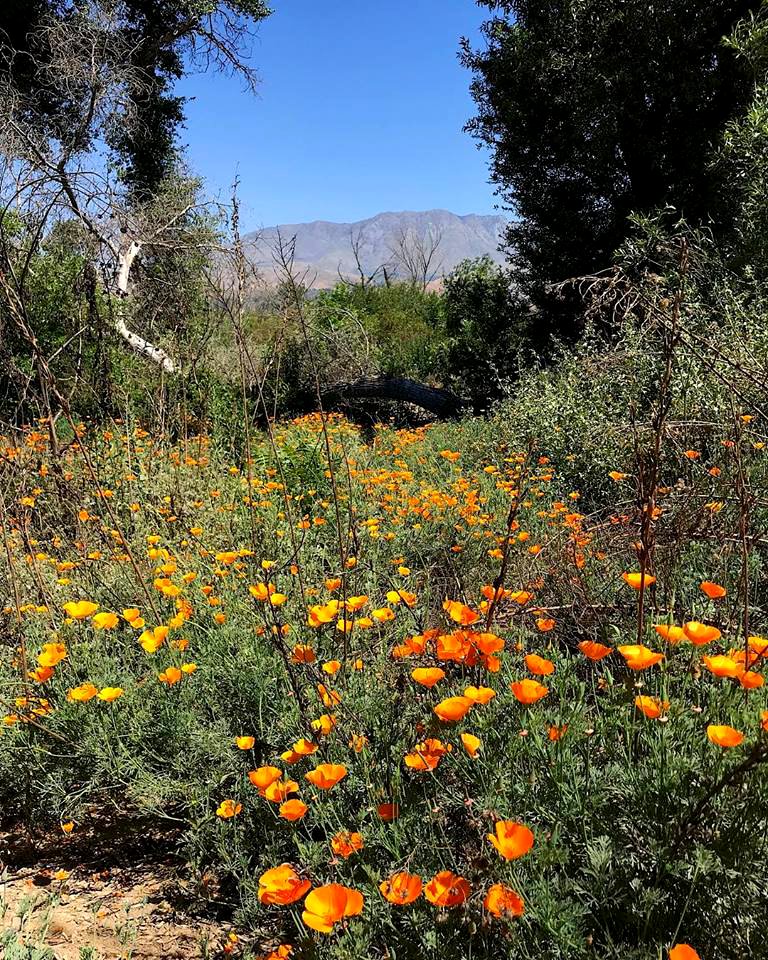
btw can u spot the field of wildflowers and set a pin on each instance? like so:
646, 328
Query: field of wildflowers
409, 694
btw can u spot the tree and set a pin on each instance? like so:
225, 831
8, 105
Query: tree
595, 109
158, 39
487, 326
88, 126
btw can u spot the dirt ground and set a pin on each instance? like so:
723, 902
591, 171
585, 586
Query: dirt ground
124, 898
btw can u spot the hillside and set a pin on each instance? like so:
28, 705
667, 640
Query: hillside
324, 248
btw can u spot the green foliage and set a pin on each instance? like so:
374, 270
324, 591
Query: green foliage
403, 322
488, 326
596, 110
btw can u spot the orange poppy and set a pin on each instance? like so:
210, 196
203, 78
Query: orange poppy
539, 666
427, 676
638, 581
282, 885
244, 743
512, 840
724, 736
479, 694
326, 775
557, 733
593, 650
683, 951
471, 744
545, 624
228, 809
427, 755
264, 776
639, 657
326, 906
80, 609
401, 888
722, 666
700, 633
751, 680
460, 613
388, 811
279, 790
344, 844
713, 590
528, 691
670, 633
446, 889
453, 709
652, 707
293, 810
501, 901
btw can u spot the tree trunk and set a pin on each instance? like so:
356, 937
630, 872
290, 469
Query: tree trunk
442, 403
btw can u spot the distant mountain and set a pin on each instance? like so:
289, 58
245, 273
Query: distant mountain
325, 249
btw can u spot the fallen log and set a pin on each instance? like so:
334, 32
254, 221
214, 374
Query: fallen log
442, 403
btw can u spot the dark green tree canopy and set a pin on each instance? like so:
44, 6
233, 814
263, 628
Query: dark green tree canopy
595, 109
163, 37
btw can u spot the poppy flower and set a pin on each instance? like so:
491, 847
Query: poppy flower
480, 694
512, 840
264, 776
326, 775
383, 614
555, 733
651, 707
724, 736
446, 889
639, 657
109, 694
503, 901
471, 744
539, 666
279, 790
388, 811
401, 888
326, 906
713, 590
593, 650
460, 613
303, 653
670, 633
722, 666
80, 609
244, 743
324, 724
105, 621
638, 580
683, 951
293, 810
751, 680
228, 809
453, 709
700, 633
528, 691
170, 676
83, 693
545, 624
427, 755
427, 676
344, 844
282, 885
52, 654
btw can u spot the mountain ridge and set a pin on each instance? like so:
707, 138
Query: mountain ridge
324, 247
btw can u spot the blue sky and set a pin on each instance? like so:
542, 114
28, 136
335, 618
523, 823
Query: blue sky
360, 109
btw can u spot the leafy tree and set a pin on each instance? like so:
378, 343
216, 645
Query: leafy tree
487, 325
162, 37
595, 109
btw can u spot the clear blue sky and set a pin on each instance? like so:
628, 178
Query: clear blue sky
360, 109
